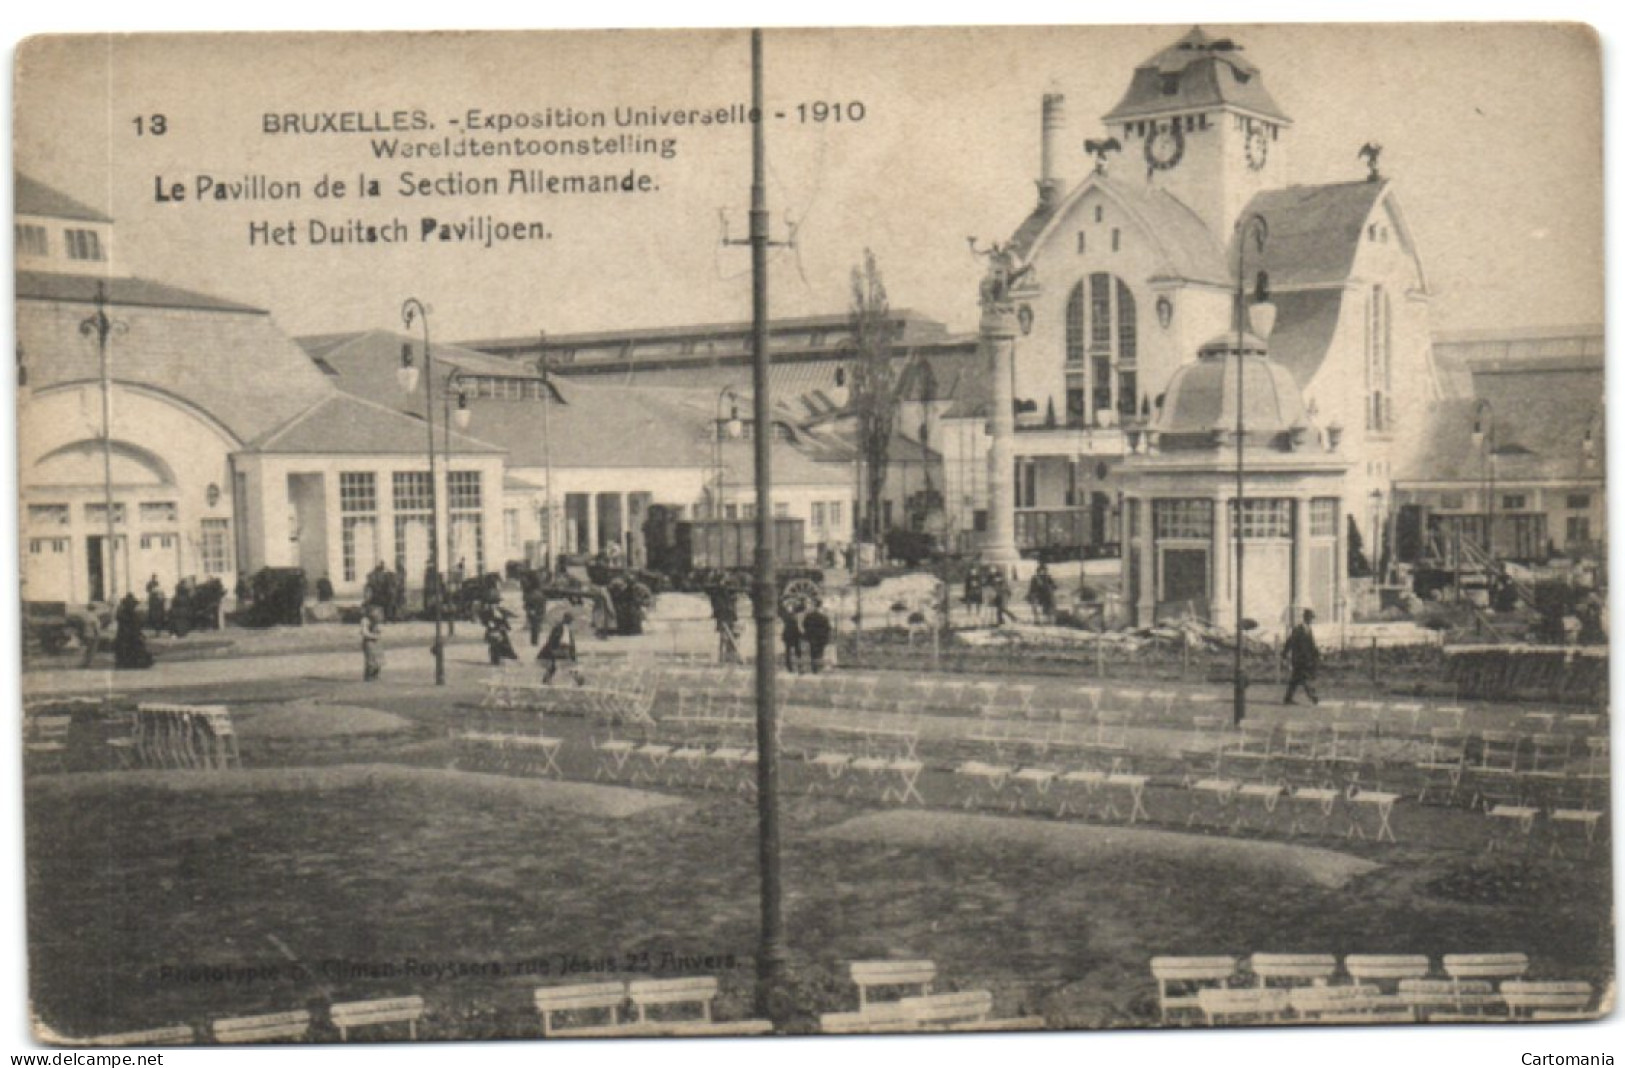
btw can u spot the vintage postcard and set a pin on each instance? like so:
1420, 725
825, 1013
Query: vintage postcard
544, 535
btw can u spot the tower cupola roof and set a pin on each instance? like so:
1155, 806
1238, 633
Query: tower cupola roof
1197, 72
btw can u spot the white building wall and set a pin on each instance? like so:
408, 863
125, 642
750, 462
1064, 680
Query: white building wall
56, 254
164, 452
1040, 356
272, 522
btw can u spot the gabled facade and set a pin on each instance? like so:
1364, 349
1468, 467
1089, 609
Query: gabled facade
1131, 268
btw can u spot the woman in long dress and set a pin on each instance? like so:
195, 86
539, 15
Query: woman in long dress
129, 647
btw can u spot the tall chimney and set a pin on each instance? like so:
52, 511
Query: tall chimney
1051, 180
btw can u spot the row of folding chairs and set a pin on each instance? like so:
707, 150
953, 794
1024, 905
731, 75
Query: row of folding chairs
194, 737
45, 739
1091, 785
1385, 717
936, 693
1370, 988
616, 691
510, 743
1560, 831
1290, 759
1270, 807
859, 760
702, 752
1510, 767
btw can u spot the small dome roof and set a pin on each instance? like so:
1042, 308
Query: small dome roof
1201, 397
1225, 345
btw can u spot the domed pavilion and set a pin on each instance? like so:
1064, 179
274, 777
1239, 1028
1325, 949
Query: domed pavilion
1180, 478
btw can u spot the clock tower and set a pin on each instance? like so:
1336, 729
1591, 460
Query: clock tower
1197, 122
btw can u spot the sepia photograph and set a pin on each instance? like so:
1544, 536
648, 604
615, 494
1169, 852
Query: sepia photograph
714, 532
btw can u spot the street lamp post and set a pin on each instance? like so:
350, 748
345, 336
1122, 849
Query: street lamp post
843, 379
1484, 439
730, 427
413, 310
101, 327
544, 368
460, 415
1260, 315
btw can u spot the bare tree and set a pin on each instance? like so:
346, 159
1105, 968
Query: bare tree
873, 381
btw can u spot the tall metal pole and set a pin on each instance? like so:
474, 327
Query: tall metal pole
414, 309
1252, 224
724, 429
451, 388
1489, 465
543, 367
102, 327
771, 960
857, 530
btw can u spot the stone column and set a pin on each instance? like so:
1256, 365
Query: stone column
620, 527
998, 346
1300, 558
1144, 540
592, 523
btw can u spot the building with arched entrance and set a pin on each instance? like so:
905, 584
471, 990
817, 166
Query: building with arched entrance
223, 447
1121, 274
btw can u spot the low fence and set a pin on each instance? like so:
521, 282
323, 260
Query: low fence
1557, 674
1552, 675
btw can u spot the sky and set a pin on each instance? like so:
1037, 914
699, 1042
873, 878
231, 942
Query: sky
1491, 134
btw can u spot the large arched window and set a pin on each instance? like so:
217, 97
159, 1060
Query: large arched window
1379, 364
1077, 377
1102, 340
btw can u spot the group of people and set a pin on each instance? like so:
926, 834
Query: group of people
385, 590
987, 587
497, 622
804, 624
174, 616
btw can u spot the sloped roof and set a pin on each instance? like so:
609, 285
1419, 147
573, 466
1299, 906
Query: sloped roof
32, 197
1197, 71
342, 425
806, 386
1314, 230
733, 336
366, 364
1540, 413
607, 426
601, 426
131, 292
791, 467
1188, 248
231, 363
838, 444
1457, 352
972, 393
1305, 323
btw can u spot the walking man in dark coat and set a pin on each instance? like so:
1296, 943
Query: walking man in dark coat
1302, 659
815, 629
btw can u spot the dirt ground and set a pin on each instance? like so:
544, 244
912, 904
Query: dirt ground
152, 903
